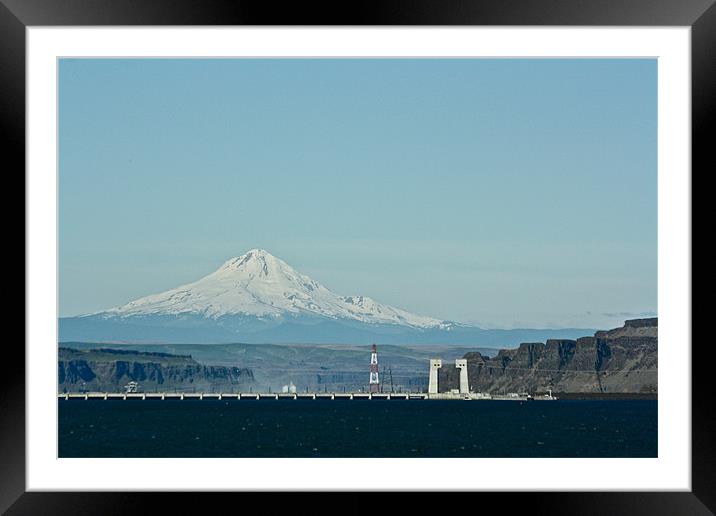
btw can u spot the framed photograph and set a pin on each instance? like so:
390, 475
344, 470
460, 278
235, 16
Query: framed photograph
279, 251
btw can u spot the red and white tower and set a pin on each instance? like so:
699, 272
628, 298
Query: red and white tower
374, 381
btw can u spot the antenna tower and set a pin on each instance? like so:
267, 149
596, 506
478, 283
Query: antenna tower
374, 381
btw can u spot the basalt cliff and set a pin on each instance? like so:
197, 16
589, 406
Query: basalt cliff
622, 360
109, 370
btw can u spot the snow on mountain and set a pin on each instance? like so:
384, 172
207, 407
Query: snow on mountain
258, 284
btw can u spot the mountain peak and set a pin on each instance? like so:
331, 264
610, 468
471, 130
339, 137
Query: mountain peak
260, 255
258, 284
257, 253
256, 260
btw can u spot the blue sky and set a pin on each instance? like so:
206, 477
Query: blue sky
500, 192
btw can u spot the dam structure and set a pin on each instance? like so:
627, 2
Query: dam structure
133, 392
461, 364
434, 387
68, 396
435, 364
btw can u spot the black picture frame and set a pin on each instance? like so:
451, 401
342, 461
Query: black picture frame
16, 15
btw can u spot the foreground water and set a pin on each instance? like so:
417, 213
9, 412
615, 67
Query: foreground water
357, 428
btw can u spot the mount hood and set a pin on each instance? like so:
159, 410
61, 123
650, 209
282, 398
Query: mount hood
259, 298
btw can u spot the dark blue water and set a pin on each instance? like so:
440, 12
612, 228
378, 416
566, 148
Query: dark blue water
358, 428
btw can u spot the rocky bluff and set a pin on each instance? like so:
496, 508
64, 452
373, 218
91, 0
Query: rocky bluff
622, 360
109, 370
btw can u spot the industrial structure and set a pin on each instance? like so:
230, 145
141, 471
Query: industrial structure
290, 388
436, 364
290, 392
374, 384
461, 364
131, 387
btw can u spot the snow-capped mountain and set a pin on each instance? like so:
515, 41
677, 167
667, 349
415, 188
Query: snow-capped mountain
261, 285
258, 298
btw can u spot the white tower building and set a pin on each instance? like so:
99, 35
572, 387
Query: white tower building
461, 364
435, 364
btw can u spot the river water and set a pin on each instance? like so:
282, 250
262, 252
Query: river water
357, 428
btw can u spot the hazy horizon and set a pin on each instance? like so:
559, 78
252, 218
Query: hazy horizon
499, 192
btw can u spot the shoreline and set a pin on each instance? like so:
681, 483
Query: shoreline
606, 395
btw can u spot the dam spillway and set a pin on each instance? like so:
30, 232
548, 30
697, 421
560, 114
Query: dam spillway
297, 396
433, 393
